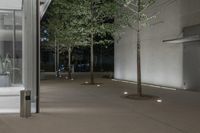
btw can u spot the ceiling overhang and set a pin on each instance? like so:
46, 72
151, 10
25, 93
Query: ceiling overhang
44, 4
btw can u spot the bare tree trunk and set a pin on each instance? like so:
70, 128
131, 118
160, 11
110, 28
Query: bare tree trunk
58, 56
57, 59
92, 46
69, 63
92, 59
55, 54
139, 84
101, 60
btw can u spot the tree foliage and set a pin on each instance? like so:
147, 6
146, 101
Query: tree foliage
129, 12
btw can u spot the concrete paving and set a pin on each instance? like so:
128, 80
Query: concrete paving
69, 107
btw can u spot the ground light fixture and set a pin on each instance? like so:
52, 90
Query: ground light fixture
125, 93
159, 100
98, 85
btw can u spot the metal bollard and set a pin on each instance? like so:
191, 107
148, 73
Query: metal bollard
25, 103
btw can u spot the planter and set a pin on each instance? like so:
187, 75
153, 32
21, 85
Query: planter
5, 80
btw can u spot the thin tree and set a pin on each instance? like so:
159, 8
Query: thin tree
69, 39
63, 26
93, 16
132, 14
71, 34
52, 22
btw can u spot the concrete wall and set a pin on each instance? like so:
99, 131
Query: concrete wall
162, 64
191, 60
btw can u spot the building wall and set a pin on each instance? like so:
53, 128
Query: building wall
162, 64
191, 60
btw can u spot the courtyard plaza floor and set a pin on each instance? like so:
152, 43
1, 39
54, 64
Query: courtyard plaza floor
70, 107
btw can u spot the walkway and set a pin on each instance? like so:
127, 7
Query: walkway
69, 107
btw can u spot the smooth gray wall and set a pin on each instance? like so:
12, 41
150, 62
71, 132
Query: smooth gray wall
162, 64
191, 60
191, 66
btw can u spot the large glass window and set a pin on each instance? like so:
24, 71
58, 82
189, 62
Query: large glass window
10, 60
10, 48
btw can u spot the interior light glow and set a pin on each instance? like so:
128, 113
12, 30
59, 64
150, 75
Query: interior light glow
11, 4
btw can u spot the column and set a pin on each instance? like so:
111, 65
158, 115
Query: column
30, 48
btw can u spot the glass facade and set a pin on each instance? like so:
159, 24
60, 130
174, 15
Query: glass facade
19, 51
19, 54
10, 48
11, 60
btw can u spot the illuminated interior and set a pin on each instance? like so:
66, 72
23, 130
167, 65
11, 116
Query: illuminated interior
19, 51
